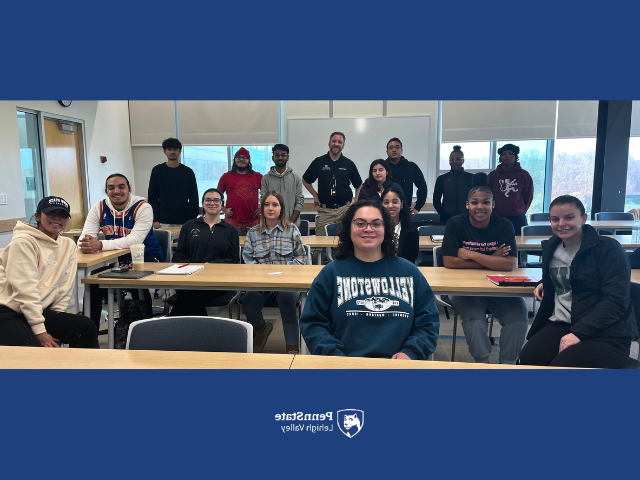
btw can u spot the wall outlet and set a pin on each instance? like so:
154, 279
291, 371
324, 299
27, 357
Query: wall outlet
3, 198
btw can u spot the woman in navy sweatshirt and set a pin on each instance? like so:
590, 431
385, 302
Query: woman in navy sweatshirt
368, 302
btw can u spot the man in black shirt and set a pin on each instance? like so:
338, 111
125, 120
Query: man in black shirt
450, 192
334, 173
406, 174
173, 191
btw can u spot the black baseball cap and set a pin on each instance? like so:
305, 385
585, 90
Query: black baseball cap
49, 204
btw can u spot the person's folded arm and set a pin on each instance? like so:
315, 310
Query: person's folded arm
455, 262
493, 262
423, 338
91, 223
315, 321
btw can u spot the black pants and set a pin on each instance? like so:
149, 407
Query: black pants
76, 330
518, 222
543, 348
194, 302
97, 294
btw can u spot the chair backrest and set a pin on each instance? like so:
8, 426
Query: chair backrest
539, 217
614, 216
197, 334
425, 218
437, 257
332, 229
304, 228
537, 230
164, 239
309, 217
239, 230
431, 230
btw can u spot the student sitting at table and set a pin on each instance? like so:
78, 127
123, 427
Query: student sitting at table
482, 240
273, 241
37, 275
379, 180
586, 318
206, 239
369, 302
407, 236
125, 220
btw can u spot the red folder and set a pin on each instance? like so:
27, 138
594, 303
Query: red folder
513, 280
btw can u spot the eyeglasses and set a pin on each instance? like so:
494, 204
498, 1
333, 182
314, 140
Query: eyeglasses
282, 155
215, 201
360, 224
242, 157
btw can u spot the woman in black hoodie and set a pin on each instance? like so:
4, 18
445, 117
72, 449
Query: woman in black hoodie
379, 181
586, 318
407, 234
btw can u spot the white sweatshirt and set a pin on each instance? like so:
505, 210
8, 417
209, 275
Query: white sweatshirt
36, 273
143, 223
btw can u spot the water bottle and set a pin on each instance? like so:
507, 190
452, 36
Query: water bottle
636, 231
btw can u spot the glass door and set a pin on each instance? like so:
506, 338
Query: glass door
32, 184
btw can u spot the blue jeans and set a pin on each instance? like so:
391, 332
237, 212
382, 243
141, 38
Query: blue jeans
254, 302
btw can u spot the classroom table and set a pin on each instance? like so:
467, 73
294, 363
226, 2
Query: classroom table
597, 224
91, 261
87, 358
295, 278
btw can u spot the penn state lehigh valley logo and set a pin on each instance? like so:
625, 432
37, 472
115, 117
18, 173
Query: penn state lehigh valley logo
350, 421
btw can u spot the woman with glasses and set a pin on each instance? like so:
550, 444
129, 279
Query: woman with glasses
369, 302
407, 236
206, 239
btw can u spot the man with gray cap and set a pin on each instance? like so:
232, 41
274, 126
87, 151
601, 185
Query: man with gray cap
282, 179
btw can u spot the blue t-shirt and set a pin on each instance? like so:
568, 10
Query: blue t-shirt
370, 309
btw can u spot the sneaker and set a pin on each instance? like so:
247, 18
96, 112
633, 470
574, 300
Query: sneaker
260, 337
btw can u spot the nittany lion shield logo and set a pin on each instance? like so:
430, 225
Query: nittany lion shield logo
350, 422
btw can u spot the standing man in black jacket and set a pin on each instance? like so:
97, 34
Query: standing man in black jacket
451, 189
406, 174
173, 191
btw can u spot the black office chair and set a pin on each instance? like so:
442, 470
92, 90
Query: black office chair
332, 231
539, 217
426, 231
309, 217
633, 363
614, 216
534, 231
422, 219
443, 301
304, 228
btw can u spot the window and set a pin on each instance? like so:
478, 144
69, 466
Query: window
632, 198
532, 158
477, 155
32, 184
209, 162
573, 164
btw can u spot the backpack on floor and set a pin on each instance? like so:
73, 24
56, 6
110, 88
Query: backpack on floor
130, 311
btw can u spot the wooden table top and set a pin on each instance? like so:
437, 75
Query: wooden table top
300, 278
635, 276
604, 224
90, 259
88, 358
321, 362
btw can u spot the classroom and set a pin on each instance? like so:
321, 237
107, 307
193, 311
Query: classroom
587, 149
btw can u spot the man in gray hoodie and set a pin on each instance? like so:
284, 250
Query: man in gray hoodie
282, 179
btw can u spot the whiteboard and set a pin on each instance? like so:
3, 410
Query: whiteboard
366, 140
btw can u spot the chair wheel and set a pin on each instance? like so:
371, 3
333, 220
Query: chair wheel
530, 314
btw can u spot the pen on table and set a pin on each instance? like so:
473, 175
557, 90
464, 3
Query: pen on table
183, 265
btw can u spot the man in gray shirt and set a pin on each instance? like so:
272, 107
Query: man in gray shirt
282, 179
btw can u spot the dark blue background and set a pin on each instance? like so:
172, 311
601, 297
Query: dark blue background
220, 424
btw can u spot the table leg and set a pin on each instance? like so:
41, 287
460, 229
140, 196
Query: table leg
303, 345
110, 310
320, 256
86, 302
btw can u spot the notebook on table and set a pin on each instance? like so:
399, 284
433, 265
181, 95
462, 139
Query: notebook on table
131, 274
513, 280
180, 269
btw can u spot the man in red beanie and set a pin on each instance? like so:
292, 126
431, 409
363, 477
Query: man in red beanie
242, 186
